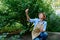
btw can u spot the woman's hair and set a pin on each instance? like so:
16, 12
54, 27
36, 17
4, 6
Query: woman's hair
44, 16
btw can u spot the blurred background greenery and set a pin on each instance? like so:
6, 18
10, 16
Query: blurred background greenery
12, 15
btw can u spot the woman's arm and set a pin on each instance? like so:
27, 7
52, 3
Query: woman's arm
42, 29
28, 18
26, 11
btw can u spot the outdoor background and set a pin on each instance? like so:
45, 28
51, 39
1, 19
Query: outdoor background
13, 18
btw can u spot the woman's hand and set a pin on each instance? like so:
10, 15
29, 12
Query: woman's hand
41, 28
26, 11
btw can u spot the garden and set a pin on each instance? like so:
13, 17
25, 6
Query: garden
13, 19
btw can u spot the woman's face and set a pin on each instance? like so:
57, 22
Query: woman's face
40, 15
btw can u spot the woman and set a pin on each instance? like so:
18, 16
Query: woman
43, 34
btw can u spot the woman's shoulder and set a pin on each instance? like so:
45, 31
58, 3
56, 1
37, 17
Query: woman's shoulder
45, 22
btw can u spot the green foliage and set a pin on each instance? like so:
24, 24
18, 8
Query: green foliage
13, 27
12, 14
54, 23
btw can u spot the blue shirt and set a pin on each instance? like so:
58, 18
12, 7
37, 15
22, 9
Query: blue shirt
36, 20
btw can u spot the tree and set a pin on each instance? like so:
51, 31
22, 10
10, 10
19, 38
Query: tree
12, 13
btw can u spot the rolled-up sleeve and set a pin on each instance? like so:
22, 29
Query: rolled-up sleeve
45, 25
32, 20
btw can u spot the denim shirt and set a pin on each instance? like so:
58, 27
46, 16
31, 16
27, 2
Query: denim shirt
36, 20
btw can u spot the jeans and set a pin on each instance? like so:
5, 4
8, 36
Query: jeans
42, 36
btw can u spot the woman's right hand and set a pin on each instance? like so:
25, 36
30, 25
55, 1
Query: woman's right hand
26, 11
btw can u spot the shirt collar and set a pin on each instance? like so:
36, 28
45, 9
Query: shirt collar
39, 20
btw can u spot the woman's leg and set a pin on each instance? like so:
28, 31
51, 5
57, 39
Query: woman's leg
37, 38
44, 35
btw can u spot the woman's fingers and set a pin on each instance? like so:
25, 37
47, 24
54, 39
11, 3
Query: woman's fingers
26, 10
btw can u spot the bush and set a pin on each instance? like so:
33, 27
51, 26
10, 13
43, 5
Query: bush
54, 24
12, 14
